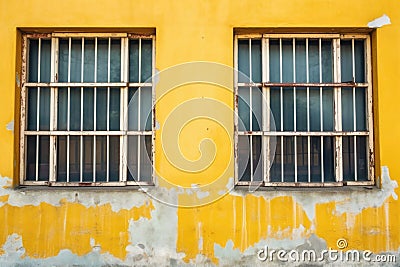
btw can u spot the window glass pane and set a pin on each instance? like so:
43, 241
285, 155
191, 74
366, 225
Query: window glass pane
74, 158
101, 109
88, 69
313, 61
244, 109
145, 158
44, 152
62, 107
362, 158
275, 171
115, 60
114, 159
257, 100
315, 159
146, 63
243, 158
256, 60
101, 158
359, 60
134, 60
243, 61
288, 107
327, 106
274, 70
361, 111
275, 97
33, 60
348, 158
257, 162
302, 158
327, 63
288, 158
114, 109
346, 61
87, 158
44, 110
102, 60
31, 157
301, 109
32, 109
88, 108
133, 105
75, 109
329, 160
287, 60
63, 54
145, 109
301, 66
132, 157
76, 60
45, 61
315, 109
347, 109
61, 159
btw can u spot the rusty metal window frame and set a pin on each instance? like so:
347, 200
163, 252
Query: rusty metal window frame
337, 134
123, 86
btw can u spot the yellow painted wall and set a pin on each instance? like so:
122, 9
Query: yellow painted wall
197, 30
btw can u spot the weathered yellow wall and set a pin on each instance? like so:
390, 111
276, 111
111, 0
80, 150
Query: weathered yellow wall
129, 225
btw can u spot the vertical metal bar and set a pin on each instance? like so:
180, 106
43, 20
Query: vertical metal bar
294, 109
38, 112
153, 96
251, 114
81, 137
139, 106
338, 112
236, 116
53, 110
123, 170
95, 110
23, 119
308, 116
321, 113
370, 153
266, 109
281, 106
108, 111
68, 106
354, 108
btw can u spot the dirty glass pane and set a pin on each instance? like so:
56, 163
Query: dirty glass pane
275, 171
114, 109
288, 158
61, 159
361, 111
63, 52
257, 161
347, 109
114, 159
62, 109
243, 158
359, 61
301, 109
145, 109
101, 158
134, 60
243, 60
315, 159
87, 158
313, 61
88, 67
276, 106
327, 63
145, 158
256, 60
302, 158
301, 66
44, 109
348, 158
147, 57
88, 109
244, 108
32, 109
257, 101
74, 158
75, 109
274, 70
132, 157
115, 60
101, 109
45, 61
133, 105
327, 108
329, 160
102, 60
33, 60
287, 60
288, 108
362, 158
315, 110
30, 158
76, 60
346, 61
44, 152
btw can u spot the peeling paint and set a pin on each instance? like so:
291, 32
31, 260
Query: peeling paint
10, 126
379, 22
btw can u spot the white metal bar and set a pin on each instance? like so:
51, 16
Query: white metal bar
300, 35
308, 115
140, 61
53, 110
88, 34
281, 106
123, 171
108, 110
338, 112
250, 91
321, 113
292, 133
23, 118
322, 160
282, 157
354, 108
153, 102
294, 109
81, 137
251, 159
38, 111
370, 153
236, 115
266, 110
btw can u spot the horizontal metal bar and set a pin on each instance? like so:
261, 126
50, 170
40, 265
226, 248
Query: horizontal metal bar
38, 35
91, 34
139, 84
271, 84
88, 184
266, 133
141, 36
66, 133
249, 36
139, 132
132, 183
46, 183
354, 36
302, 184
76, 84
366, 183
301, 35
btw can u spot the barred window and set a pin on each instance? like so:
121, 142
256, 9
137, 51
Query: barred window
86, 109
304, 104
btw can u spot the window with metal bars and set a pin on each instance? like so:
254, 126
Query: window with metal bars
304, 105
86, 109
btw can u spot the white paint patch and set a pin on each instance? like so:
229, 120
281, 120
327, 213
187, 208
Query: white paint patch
201, 194
379, 22
10, 126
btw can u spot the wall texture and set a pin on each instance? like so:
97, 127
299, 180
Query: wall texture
128, 227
